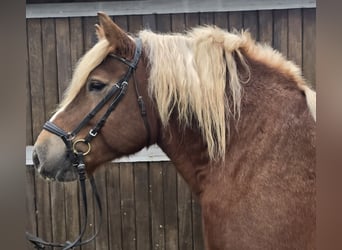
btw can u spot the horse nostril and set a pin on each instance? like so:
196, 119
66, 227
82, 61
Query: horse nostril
35, 159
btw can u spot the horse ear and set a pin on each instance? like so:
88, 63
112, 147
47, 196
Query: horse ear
99, 32
113, 33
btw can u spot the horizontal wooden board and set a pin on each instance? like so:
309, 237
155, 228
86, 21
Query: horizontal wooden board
158, 7
151, 154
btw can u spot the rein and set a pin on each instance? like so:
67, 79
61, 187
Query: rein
41, 244
115, 94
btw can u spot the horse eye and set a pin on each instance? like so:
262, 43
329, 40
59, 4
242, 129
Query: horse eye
96, 86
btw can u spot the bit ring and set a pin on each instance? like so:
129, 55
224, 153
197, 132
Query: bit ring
81, 141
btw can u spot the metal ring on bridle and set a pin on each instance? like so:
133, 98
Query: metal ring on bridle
81, 141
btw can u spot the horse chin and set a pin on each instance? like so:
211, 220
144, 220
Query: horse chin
51, 160
65, 173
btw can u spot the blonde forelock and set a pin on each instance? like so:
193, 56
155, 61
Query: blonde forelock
85, 65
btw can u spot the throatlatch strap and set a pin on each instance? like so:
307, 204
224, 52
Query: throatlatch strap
143, 111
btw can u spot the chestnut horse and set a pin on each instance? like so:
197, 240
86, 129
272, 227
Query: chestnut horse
235, 117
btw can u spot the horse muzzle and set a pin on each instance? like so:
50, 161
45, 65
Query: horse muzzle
51, 160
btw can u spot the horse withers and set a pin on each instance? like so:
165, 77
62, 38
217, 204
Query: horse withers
235, 117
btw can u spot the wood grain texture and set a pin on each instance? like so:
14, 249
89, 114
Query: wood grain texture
235, 20
135, 24
114, 208
184, 215
90, 226
43, 209
122, 21
157, 206
170, 206
163, 23
197, 228
31, 215
309, 45
72, 208
295, 38
36, 75
58, 216
127, 206
221, 20
266, 27
76, 40
149, 22
178, 23
142, 206
101, 241
43, 212
206, 18
191, 20
63, 55
250, 23
29, 139
50, 66
89, 35
280, 28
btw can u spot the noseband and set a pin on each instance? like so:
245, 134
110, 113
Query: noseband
76, 156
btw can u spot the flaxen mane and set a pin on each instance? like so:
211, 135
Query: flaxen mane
188, 73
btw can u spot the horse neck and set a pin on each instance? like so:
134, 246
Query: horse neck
275, 126
187, 152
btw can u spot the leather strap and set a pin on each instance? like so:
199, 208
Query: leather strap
41, 244
143, 112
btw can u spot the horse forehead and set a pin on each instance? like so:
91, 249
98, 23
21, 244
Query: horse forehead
107, 68
101, 73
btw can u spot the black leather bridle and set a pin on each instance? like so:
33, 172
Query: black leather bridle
76, 156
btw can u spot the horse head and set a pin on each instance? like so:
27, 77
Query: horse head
103, 114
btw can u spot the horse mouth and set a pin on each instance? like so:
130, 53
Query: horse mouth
68, 175
62, 172
53, 166
61, 175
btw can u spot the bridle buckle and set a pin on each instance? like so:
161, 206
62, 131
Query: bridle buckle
92, 133
71, 136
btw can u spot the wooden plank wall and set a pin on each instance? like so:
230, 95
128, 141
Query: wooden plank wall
146, 205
